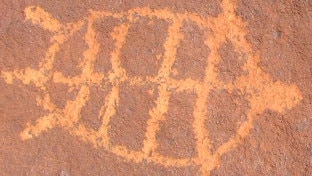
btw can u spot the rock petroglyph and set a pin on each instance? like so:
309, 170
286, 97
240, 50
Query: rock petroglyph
260, 90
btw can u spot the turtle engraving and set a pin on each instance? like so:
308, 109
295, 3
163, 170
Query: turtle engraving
261, 91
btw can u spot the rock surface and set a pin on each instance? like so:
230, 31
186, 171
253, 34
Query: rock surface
158, 87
